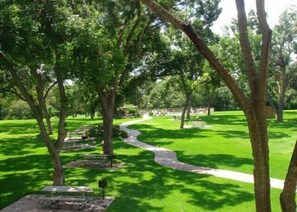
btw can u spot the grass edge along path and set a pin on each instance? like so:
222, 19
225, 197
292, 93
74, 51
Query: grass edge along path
168, 158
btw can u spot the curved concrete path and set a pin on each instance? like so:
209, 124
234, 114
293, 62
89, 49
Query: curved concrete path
168, 158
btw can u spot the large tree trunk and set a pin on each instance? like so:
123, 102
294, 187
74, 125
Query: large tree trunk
288, 196
256, 118
55, 155
107, 100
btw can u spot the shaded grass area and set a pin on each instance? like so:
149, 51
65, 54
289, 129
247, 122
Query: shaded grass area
25, 165
141, 184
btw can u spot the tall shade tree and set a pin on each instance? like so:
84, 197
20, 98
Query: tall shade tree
253, 104
283, 73
32, 48
108, 45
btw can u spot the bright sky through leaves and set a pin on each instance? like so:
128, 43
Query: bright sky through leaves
273, 8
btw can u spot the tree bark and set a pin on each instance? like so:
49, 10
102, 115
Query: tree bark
48, 121
187, 105
281, 102
182, 118
259, 142
40, 89
256, 115
186, 113
288, 195
107, 100
209, 101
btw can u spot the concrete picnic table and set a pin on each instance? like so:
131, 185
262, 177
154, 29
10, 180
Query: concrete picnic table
55, 190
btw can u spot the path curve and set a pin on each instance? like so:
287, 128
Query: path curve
168, 158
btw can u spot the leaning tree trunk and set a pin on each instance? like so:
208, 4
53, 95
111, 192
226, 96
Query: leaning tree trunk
58, 175
186, 107
288, 195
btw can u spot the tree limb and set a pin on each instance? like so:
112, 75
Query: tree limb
49, 88
245, 44
17, 80
266, 44
202, 48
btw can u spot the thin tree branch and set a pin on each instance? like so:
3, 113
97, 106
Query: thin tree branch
266, 44
3, 90
49, 88
245, 44
17, 80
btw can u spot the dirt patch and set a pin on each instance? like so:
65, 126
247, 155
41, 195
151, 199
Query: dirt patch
92, 164
31, 203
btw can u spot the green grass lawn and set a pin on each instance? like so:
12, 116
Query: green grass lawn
141, 184
224, 142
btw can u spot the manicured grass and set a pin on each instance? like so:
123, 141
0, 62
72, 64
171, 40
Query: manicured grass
224, 142
143, 185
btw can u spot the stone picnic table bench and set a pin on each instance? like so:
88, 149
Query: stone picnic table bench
57, 194
100, 157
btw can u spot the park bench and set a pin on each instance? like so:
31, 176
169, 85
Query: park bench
100, 157
54, 195
200, 124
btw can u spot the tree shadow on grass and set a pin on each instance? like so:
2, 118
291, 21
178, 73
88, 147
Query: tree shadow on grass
214, 196
19, 127
233, 134
20, 146
204, 192
288, 124
141, 185
22, 175
152, 134
144, 185
215, 160
225, 120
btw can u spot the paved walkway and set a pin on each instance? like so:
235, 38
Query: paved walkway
168, 158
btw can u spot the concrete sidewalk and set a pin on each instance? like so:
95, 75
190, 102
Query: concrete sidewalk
168, 158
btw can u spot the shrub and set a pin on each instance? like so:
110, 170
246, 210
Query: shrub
19, 110
124, 134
